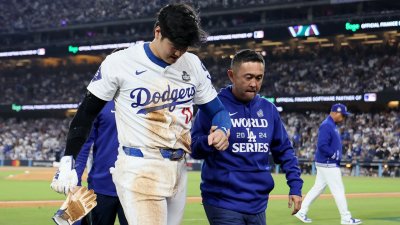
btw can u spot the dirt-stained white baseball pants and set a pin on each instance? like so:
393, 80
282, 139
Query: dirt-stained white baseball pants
333, 178
152, 190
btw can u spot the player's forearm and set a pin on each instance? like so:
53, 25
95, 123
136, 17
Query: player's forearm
220, 117
81, 159
82, 123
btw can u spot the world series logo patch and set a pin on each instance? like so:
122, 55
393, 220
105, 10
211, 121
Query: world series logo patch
185, 76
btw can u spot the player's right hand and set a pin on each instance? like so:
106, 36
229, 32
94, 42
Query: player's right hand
66, 177
218, 138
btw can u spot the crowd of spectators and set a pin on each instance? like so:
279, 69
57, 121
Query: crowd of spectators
345, 72
63, 84
30, 15
26, 15
32, 139
367, 137
358, 70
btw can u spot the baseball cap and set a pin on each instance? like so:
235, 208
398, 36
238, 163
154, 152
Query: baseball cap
340, 108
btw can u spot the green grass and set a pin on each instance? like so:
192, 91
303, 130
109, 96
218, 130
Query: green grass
382, 211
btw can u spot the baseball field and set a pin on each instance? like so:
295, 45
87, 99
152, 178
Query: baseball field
26, 198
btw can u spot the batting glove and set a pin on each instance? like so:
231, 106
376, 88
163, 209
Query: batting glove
80, 201
66, 177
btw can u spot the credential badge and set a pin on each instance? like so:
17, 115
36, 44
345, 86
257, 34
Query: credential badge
185, 76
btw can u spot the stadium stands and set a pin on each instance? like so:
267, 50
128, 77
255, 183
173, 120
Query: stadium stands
348, 71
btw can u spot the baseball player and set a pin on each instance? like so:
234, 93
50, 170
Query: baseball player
236, 182
154, 86
103, 140
327, 162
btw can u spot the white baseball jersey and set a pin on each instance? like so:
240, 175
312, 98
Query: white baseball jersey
153, 100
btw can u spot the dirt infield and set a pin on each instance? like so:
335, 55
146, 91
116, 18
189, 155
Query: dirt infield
32, 173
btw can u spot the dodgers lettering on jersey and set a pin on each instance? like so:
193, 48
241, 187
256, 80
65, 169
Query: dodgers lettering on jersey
143, 97
153, 100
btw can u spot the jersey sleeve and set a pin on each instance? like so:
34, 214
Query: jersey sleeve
201, 128
205, 91
104, 84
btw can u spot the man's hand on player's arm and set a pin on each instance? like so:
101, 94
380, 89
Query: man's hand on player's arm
295, 201
218, 138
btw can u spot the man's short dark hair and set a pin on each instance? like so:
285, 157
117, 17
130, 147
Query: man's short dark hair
246, 55
181, 25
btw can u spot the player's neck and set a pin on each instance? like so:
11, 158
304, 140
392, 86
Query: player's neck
153, 48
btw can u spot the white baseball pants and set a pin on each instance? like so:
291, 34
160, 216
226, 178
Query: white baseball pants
152, 191
333, 178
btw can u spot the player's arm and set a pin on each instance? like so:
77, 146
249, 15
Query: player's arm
81, 159
66, 177
81, 124
220, 123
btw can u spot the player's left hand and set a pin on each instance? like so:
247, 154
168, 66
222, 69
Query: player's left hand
66, 177
296, 201
218, 138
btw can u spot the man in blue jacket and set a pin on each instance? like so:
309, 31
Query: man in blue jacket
104, 142
236, 182
327, 162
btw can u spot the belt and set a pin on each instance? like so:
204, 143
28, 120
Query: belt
326, 165
171, 154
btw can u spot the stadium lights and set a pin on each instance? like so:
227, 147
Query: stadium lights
314, 40
271, 43
327, 45
373, 42
393, 104
361, 36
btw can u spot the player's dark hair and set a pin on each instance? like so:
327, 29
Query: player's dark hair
246, 55
181, 25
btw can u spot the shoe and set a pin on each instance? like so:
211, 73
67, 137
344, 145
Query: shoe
351, 221
303, 217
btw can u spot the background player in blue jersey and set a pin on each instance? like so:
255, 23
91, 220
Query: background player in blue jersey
236, 182
154, 86
104, 142
327, 161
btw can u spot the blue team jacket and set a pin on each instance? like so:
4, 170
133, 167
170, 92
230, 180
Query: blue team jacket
329, 146
239, 178
104, 139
